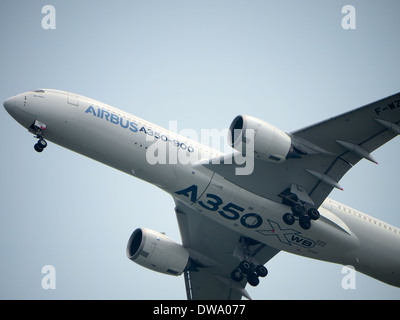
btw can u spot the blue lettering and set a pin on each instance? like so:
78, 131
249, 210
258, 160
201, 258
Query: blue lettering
122, 123
213, 204
90, 110
133, 127
114, 118
192, 190
296, 239
230, 211
143, 129
301, 241
105, 113
251, 220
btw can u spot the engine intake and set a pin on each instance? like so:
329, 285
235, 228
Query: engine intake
155, 251
270, 143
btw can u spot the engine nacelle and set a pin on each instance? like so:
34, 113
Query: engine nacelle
270, 143
157, 252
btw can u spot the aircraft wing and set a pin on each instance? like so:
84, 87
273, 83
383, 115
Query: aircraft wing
327, 151
213, 252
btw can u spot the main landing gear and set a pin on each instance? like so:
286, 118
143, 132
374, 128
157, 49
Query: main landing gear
298, 208
249, 270
38, 129
248, 267
299, 213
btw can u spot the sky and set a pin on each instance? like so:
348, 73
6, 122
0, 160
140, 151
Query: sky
200, 63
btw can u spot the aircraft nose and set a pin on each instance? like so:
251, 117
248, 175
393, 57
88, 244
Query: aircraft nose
15, 106
9, 104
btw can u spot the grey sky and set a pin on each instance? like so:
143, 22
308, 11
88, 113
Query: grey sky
200, 63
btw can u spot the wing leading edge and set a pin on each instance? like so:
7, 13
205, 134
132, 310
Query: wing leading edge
327, 151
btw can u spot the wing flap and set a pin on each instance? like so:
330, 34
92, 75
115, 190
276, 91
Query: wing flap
205, 285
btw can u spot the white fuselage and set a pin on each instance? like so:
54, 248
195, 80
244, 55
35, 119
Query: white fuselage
130, 144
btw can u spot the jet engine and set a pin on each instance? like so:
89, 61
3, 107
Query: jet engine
157, 252
270, 144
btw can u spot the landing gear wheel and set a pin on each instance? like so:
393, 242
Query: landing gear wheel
304, 222
245, 267
248, 268
38, 148
297, 209
289, 218
237, 275
313, 214
253, 280
42, 143
261, 271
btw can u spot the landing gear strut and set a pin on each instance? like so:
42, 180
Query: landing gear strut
38, 129
251, 271
304, 217
299, 211
248, 267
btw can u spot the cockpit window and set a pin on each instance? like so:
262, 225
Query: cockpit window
38, 91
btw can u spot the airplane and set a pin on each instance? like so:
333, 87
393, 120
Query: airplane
235, 210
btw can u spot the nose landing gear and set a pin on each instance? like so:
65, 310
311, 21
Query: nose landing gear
38, 129
40, 145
